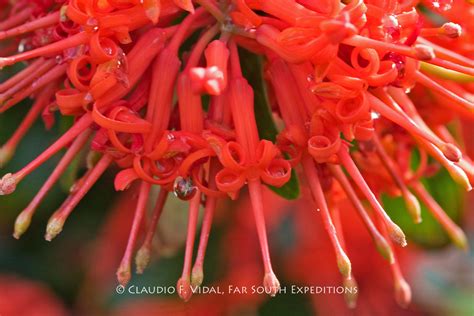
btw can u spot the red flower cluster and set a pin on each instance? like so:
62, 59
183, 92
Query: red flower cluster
338, 75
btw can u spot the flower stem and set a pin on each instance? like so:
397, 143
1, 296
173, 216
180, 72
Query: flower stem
454, 232
197, 271
381, 243
144, 253
54, 48
255, 190
312, 177
24, 218
124, 270
396, 234
80, 189
184, 290
39, 23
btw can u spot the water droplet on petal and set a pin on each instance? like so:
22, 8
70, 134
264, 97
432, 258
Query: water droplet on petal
374, 115
442, 5
227, 25
88, 98
22, 46
59, 59
184, 189
277, 171
391, 27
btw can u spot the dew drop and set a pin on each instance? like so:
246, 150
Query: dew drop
442, 5
277, 172
184, 189
122, 78
391, 27
249, 29
227, 25
22, 46
374, 115
93, 23
59, 59
160, 166
88, 98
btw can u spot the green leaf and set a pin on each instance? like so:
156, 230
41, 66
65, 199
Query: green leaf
252, 69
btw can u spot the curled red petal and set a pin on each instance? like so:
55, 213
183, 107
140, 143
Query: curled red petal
191, 159
277, 173
110, 21
233, 156
229, 181
103, 86
164, 168
139, 126
124, 178
76, 14
352, 109
322, 148
203, 188
102, 49
371, 58
215, 142
160, 149
266, 151
364, 130
80, 72
137, 166
70, 101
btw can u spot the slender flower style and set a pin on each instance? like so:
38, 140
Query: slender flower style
161, 93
